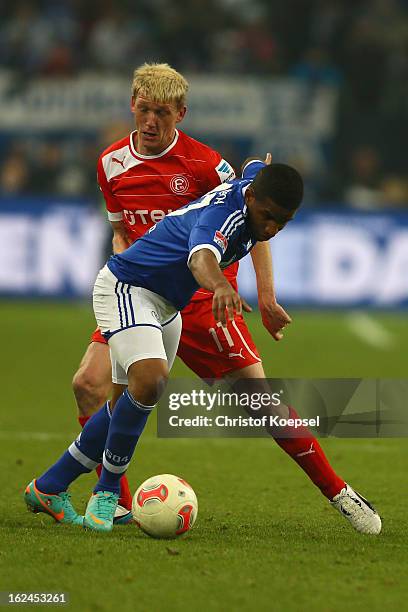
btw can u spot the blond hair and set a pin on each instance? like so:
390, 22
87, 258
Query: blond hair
160, 83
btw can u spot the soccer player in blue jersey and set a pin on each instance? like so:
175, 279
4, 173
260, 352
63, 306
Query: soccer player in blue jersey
137, 299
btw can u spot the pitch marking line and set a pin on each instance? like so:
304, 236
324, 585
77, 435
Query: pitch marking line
40, 436
43, 436
367, 329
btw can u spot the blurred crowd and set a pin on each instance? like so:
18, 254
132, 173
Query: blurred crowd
358, 46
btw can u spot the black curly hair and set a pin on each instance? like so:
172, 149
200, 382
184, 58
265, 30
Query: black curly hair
282, 183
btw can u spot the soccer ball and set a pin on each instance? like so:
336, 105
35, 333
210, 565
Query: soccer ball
165, 506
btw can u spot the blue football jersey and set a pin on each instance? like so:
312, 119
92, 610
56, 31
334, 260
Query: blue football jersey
218, 221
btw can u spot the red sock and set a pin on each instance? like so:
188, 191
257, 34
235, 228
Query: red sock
309, 455
125, 498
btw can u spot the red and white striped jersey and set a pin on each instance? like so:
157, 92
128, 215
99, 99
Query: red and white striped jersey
142, 189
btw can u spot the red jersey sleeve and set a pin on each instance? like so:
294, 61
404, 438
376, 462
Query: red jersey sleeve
115, 210
218, 170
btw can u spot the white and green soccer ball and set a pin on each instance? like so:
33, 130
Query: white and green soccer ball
165, 506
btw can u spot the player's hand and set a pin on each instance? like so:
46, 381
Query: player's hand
267, 160
245, 306
226, 302
120, 244
274, 318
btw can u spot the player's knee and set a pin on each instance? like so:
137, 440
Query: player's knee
147, 388
90, 395
150, 392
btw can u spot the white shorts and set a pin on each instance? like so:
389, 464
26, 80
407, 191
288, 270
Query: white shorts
137, 323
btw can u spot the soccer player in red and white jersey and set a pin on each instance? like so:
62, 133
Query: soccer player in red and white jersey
152, 171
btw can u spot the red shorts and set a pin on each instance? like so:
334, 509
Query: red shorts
207, 348
211, 350
97, 337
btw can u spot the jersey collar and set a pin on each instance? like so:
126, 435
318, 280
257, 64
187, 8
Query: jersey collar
140, 156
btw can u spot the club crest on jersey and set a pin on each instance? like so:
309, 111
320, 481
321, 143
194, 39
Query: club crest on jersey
221, 240
179, 184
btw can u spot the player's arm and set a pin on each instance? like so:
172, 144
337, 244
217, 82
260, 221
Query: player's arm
203, 265
274, 317
252, 165
120, 240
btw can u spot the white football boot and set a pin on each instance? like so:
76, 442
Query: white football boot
357, 510
123, 516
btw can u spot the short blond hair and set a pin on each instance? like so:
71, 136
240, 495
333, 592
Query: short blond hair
160, 83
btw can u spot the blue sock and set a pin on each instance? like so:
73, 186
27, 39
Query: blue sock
84, 454
128, 421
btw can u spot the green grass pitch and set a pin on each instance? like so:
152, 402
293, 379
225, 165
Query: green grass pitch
265, 538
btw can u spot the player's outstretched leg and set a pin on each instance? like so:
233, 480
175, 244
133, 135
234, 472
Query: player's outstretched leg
308, 454
56, 505
357, 510
303, 448
48, 493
